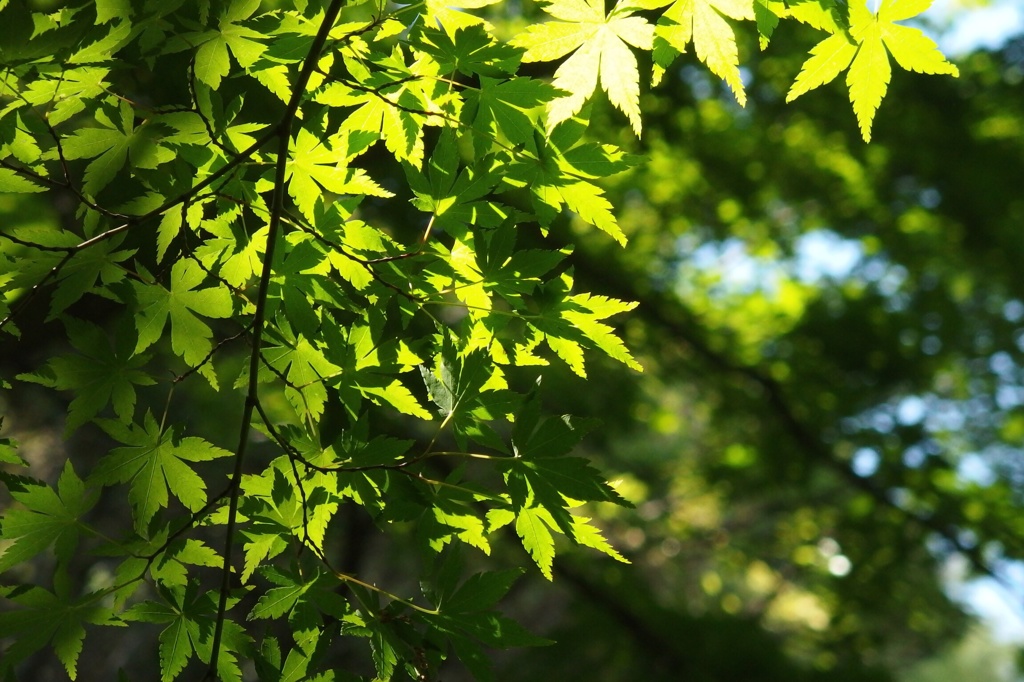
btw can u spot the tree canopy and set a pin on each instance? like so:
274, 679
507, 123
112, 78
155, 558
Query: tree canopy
322, 321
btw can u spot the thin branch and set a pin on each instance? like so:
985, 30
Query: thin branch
283, 133
70, 252
344, 577
181, 377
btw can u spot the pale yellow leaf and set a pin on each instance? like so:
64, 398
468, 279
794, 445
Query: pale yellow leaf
634, 30
740, 10
553, 39
898, 10
578, 76
715, 45
577, 11
620, 77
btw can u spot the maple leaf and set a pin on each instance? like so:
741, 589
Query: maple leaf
865, 50
14, 183
212, 62
314, 164
111, 144
601, 53
175, 646
104, 372
155, 464
49, 617
305, 367
397, 102
190, 336
189, 619
364, 365
533, 526
766, 14
704, 23
571, 323
82, 272
471, 51
107, 10
556, 177
50, 518
503, 105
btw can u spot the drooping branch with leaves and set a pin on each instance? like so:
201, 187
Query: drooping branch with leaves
333, 217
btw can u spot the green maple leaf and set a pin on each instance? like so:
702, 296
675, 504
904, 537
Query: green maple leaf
189, 619
453, 195
155, 465
472, 50
557, 173
190, 336
105, 372
540, 475
467, 619
865, 50
212, 63
533, 526
824, 15
714, 41
175, 649
366, 364
589, 535
106, 47
305, 367
572, 323
79, 276
279, 600
54, 618
500, 108
766, 14
11, 182
107, 10
9, 451
315, 165
68, 93
50, 517
601, 45
240, 257
303, 597
480, 592
17, 141
171, 568
111, 144
393, 105
29, 271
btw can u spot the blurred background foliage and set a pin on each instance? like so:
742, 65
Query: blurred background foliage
830, 424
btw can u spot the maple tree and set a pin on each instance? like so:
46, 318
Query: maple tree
248, 246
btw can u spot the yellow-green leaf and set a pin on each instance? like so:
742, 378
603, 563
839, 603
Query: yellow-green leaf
828, 59
534, 531
714, 41
865, 49
10, 181
868, 79
602, 53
